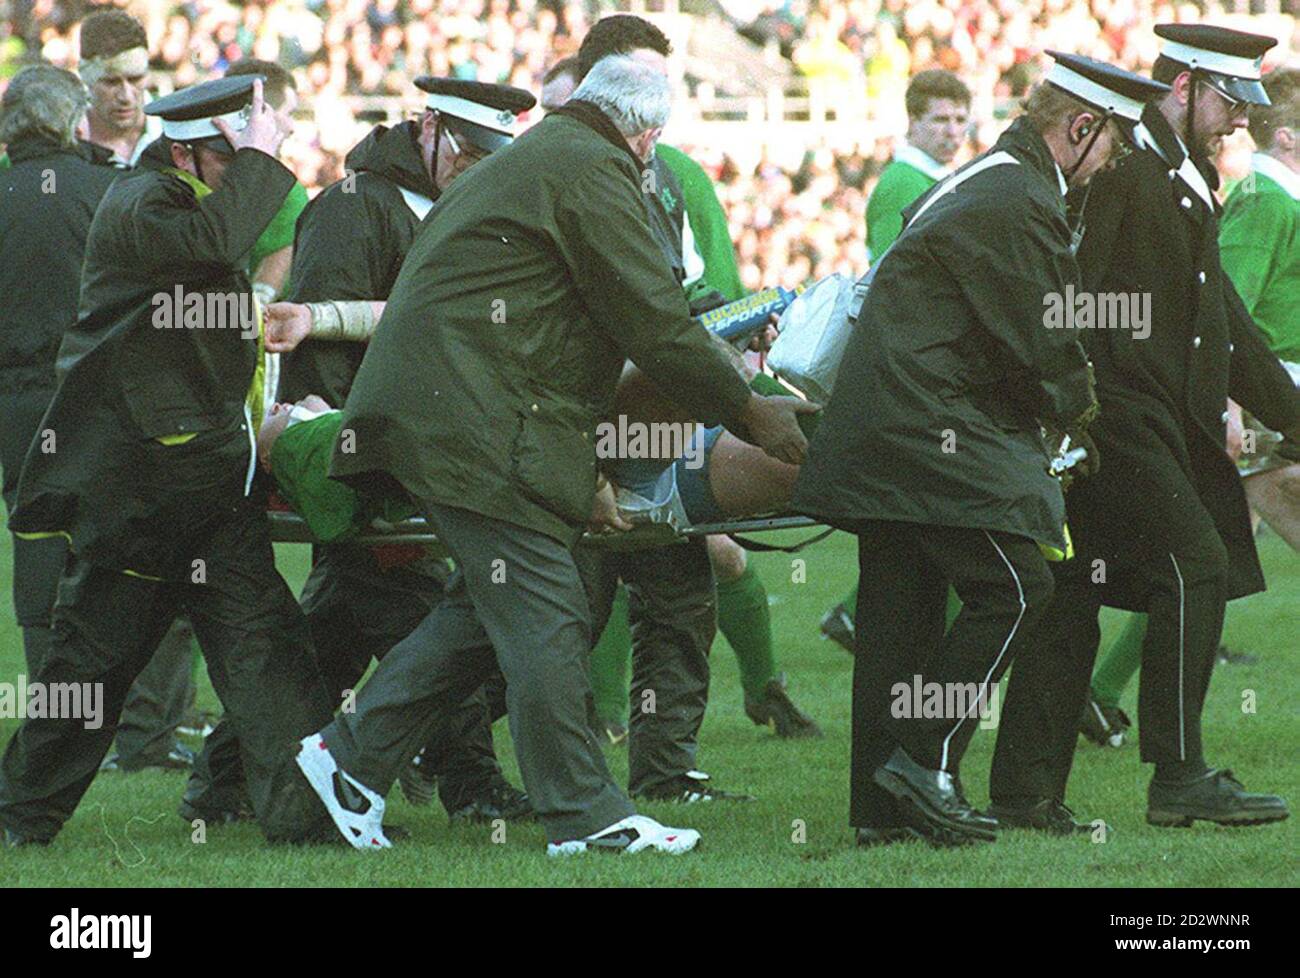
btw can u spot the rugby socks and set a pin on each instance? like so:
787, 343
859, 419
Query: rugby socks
1120, 662
744, 619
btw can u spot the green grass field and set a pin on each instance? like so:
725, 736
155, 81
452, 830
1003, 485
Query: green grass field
126, 832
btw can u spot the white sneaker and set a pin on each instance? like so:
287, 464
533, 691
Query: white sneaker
632, 834
356, 810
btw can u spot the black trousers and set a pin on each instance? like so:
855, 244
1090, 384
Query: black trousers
161, 694
1187, 589
905, 570
358, 608
258, 650
673, 616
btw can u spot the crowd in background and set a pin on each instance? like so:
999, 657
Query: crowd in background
792, 220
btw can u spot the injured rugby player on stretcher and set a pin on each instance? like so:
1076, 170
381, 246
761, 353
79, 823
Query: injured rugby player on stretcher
717, 477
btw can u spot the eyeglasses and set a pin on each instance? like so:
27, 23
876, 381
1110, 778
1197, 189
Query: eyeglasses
470, 152
1236, 106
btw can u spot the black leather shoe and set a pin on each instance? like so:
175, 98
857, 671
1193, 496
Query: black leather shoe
691, 788
498, 800
178, 758
932, 797
215, 816
870, 837
1049, 816
775, 709
12, 840
418, 787
1105, 726
837, 625
1216, 797
961, 797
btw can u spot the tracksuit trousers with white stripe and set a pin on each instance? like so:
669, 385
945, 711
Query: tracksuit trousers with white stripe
1048, 691
1004, 584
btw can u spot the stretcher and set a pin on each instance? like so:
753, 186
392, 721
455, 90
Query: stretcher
289, 527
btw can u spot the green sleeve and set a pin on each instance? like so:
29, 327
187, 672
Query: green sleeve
708, 221
1250, 239
279, 233
899, 185
300, 462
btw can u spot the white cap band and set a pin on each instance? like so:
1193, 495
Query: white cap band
1094, 93
498, 120
1225, 64
184, 130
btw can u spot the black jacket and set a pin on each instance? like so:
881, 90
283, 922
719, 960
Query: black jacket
935, 414
1162, 426
349, 244
111, 485
47, 200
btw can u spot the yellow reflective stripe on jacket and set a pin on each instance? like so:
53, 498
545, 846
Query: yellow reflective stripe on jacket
1055, 554
43, 535
176, 439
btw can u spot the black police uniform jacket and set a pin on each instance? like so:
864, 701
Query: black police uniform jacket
1161, 432
935, 414
350, 243
132, 376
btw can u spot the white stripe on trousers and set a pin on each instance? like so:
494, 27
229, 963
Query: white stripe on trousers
943, 757
1182, 725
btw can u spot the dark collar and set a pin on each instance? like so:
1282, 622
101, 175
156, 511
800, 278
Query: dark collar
590, 115
1168, 142
1171, 146
1023, 142
38, 147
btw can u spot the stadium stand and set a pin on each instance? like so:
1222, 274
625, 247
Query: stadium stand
794, 106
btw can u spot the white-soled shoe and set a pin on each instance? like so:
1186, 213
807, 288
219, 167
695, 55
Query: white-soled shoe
631, 834
357, 811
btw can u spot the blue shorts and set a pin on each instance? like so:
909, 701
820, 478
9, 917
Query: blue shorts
656, 479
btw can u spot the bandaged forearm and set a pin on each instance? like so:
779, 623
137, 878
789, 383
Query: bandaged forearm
354, 320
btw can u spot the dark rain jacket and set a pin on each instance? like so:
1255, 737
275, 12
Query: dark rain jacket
350, 244
534, 279
150, 424
935, 415
47, 200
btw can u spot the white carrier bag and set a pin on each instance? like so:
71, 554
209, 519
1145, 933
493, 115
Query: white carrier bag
814, 330
816, 326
